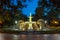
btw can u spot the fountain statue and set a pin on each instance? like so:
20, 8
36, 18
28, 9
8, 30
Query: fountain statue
31, 24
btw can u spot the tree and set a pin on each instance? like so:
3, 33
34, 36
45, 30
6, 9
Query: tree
52, 5
10, 12
39, 13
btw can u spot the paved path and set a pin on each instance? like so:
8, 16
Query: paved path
6, 36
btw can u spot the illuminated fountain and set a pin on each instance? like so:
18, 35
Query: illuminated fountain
30, 23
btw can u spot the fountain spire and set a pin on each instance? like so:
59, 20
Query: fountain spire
30, 21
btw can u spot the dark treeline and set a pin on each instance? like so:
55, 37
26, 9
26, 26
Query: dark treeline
9, 12
48, 10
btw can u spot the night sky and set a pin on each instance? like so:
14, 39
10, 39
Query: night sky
31, 7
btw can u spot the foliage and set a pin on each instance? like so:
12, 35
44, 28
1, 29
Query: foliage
10, 12
51, 7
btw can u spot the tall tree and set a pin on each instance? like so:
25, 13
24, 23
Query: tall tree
10, 11
51, 11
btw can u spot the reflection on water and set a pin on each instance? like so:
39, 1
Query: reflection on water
5, 36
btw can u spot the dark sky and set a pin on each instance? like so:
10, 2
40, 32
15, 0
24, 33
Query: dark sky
31, 7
